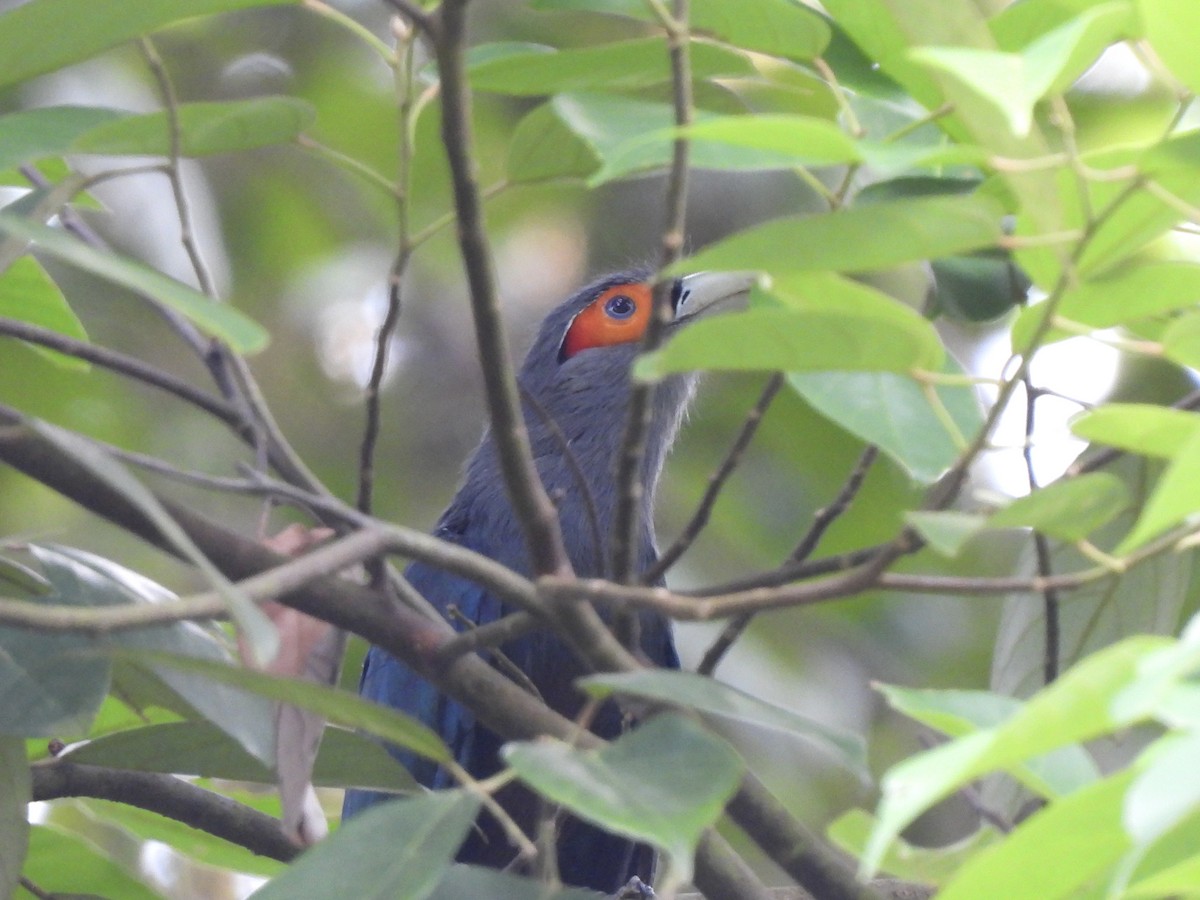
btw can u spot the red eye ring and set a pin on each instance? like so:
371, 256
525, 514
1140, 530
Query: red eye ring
618, 315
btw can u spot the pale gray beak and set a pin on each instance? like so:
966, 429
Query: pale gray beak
706, 293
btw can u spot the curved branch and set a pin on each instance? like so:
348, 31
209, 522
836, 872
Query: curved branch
168, 796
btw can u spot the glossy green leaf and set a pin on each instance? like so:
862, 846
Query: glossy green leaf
28, 294
1126, 294
1181, 340
894, 412
98, 816
792, 341
1062, 771
860, 238
1173, 881
665, 782
85, 580
259, 632
205, 129
1012, 83
1169, 26
708, 696
32, 134
777, 27
392, 851
71, 866
94, 28
543, 147
1069, 509
607, 67
1143, 428
1165, 791
474, 881
1080, 705
910, 862
947, 531
1084, 828
221, 320
15, 793
635, 136
978, 288
809, 140
339, 707
1175, 497
346, 759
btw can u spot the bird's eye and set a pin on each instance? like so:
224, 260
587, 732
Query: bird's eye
620, 307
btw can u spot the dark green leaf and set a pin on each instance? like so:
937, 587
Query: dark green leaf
28, 294
860, 238
25, 49
664, 783
346, 759
543, 147
337, 706
978, 288
221, 320
708, 696
393, 851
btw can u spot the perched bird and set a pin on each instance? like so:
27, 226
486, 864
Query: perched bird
575, 385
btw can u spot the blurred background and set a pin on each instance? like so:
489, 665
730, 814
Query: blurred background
305, 246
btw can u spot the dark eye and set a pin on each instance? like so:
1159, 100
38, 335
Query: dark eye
620, 307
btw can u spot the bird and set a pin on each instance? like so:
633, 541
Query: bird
575, 385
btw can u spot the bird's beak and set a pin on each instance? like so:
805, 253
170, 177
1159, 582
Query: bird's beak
705, 293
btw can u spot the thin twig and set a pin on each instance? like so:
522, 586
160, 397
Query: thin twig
490, 634
1041, 545
716, 482
824, 517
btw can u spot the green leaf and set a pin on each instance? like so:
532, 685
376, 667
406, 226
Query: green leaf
910, 862
337, 706
68, 865
84, 580
635, 136
32, 134
1181, 340
776, 27
1165, 791
398, 851
205, 129
475, 881
608, 67
1080, 705
956, 713
28, 294
1144, 428
948, 531
1173, 881
16, 788
978, 288
790, 340
1169, 26
1054, 852
543, 147
94, 28
142, 825
1069, 509
664, 783
223, 321
1136, 290
860, 238
706, 695
346, 759
23, 579
259, 632
1175, 497
894, 412
808, 140
1012, 83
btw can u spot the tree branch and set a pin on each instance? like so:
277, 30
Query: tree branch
168, 796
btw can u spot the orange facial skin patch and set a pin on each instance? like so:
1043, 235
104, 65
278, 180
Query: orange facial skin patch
618, 316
